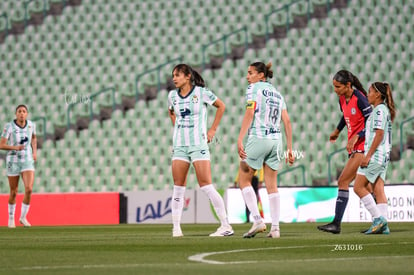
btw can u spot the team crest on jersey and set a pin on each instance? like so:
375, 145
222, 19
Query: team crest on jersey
353, 111
194, 99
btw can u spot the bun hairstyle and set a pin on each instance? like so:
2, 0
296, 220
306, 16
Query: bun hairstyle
262, 68
195, 79
344, 76
386, 94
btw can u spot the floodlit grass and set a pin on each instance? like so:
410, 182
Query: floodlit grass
150, 249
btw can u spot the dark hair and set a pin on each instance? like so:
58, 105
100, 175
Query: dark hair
344, 76
196, 78
262, 68
385, 90
22, 105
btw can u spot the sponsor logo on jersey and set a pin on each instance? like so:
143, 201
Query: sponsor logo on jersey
272, 131
353, 111
24, 140
185, 112
267, 93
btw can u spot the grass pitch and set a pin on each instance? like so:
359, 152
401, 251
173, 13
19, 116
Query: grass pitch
150, 249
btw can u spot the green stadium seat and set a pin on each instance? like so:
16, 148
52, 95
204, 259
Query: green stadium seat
303, 62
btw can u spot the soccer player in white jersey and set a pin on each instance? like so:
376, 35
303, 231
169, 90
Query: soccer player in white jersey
187, 107
377, 155
265, 109
19, 138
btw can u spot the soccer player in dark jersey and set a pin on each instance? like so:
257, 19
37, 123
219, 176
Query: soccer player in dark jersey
356, 109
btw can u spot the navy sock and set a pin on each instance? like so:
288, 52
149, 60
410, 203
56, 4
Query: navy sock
341, 202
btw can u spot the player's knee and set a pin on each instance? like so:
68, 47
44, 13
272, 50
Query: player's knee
244, 167
28, 190
344, 181
13, 193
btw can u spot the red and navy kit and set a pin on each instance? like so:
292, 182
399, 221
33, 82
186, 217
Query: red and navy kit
355, 112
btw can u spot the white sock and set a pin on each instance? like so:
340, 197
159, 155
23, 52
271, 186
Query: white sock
25, 210
371, 206
251, 201
177, 205
383, 208
274, 207
12, 210
217, 202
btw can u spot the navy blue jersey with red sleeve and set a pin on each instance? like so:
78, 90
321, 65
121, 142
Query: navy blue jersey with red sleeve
355, 112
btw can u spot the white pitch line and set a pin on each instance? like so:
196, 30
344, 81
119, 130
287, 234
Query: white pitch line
201, 257
86, 266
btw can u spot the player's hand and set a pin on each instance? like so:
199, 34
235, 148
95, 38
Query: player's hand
365, 161
291, 158
333, 136
351, 143
34, 157
19, 147
240, 149
210, 135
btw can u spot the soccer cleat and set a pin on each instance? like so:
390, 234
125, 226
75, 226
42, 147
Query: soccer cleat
331, 228
274, 234
386, 230
256, 228
11, 223
177, 232
377, 226
25, 222
223, 231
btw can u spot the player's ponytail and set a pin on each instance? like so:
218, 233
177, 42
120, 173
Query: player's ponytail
344, 76
262, 68
195, 79
357, 84
385, 90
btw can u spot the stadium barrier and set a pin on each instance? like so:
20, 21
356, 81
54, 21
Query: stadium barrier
297, 204
317, 204
66, 209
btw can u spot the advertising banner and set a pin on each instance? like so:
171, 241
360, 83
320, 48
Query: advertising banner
400, 205
155, 207
66, 209
317, 204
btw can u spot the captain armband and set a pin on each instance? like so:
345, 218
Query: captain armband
251, 105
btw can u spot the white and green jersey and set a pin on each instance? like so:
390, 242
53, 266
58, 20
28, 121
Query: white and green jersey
268, 104
17, 135
191, 115
380, 118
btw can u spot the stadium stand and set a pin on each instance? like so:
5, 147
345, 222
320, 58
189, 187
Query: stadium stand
92, 46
